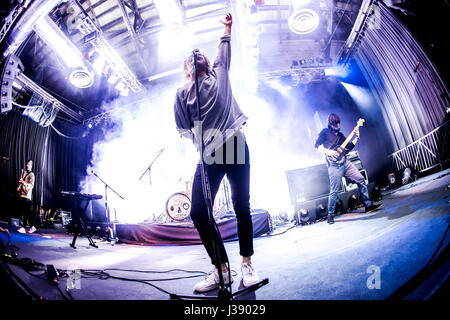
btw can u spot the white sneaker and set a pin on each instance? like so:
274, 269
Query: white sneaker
21, 230
249, 275
212, 281
32, 229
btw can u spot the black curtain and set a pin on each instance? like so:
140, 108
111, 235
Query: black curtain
404, 82
59, 162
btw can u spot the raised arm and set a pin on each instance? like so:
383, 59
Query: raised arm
227, 22
223, 58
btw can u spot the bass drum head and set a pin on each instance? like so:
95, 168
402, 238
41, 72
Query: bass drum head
178, 207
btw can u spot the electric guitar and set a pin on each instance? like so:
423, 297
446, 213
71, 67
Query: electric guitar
341, 149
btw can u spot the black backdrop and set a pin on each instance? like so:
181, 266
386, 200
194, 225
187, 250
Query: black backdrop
59, 163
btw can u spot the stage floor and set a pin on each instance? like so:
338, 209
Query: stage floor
361, 256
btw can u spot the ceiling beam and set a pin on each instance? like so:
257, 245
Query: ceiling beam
134, 37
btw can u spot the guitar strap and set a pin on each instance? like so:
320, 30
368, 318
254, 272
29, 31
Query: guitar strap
334, 145
23, 178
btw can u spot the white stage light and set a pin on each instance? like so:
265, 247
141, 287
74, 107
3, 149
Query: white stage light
406, 176
124, 92
120, 86
339, 71
113, 78
277, 85
362, 96
81, 78
303, 21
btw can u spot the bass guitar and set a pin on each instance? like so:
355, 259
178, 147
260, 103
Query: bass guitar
340, 149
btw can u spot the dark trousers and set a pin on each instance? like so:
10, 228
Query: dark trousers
25, 210
239, 177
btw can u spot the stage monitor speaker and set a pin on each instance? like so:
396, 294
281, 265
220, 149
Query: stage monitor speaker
308, 183
11, 67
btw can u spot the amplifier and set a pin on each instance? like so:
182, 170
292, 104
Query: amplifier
353, 155
350, 185
357, 164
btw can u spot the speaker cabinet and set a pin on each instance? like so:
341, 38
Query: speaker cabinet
308, 183
11, 67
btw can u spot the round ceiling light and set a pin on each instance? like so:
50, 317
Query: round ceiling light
303, 21
81, 78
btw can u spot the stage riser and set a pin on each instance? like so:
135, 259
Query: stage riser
186, 233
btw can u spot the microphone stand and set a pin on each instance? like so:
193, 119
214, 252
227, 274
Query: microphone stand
150, 166
224, 294
112, 231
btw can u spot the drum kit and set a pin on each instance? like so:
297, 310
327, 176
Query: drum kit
178, 205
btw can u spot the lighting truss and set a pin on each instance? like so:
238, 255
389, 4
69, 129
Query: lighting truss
95, 35
103, 117
9, 21
47, 97
296, 76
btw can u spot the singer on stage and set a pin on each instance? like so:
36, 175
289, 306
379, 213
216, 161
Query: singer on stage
225, 153
25, 204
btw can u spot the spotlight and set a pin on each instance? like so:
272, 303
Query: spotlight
302, 217
113, 78
81, 78
391, 179
120, 86
376, 194
406, 176
339, 207
353, 202
303, 21
321, 211
124, 92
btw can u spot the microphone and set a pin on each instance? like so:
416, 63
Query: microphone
417, 66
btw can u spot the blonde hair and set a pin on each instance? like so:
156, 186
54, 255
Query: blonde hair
189, 65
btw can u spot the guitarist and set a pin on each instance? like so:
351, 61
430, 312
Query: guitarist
25, 190
328, 141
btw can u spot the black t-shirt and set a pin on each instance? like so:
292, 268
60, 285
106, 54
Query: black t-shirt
329, 138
